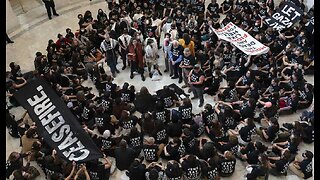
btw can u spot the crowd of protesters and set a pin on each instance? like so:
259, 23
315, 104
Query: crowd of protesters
165, 142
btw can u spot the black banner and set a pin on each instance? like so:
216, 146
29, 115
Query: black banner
285, 17
56, 123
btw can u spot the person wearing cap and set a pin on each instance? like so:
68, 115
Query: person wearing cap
302, 167
196, 81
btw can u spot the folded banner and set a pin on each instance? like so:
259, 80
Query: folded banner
241, 39
56, 123
285, 17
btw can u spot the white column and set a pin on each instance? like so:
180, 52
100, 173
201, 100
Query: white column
12, 21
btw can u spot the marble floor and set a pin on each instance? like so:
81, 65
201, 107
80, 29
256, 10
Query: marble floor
33, 36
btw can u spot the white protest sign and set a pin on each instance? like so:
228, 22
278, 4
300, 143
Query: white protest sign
241, 39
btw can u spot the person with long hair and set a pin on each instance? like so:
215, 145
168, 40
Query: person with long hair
186, 42
135, 56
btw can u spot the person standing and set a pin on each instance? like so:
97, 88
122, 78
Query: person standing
49, 4
108, 46
196, 81
187, 64
124, 40
135, 56
175, 57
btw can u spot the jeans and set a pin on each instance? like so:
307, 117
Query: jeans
177, 71
198, 93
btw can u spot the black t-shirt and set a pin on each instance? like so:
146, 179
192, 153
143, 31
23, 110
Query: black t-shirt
188, 61
211, 172
104, 143
179, 19
175, 129
227, 120
135, 141
272, 132
107, 103
176, 151
137, 172
192, 172
213, 8
246, 132
174, 173
306, 168
129, 123
162, 115
167, 96
226, 167
186, 113
98, 172
161, 135
253, 157
190, 143
247, 111
124, 158
195, 77
150, 152
208, 117
282, 166
101, 120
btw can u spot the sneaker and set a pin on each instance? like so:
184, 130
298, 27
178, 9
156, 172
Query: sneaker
201, 104
174, 77
171, 75
117, 71
180, 81
56, 14
50, 17
10, 42
143, 78
131, 76
150, 75
165, 70
124, 67
184, 86
193, 98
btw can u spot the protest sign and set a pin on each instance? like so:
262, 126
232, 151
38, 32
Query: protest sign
241, 39
285, 17
56, 123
